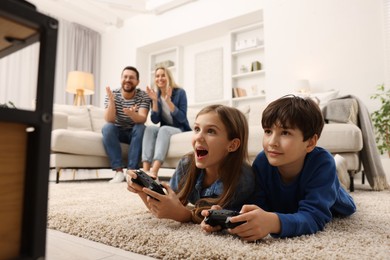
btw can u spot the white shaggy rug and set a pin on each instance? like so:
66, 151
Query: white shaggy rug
109, 214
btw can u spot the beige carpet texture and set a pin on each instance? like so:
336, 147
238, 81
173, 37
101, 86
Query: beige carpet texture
109, 214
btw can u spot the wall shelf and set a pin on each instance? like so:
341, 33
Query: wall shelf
247, 46
171, 54
248, 50
224, 36
248, 74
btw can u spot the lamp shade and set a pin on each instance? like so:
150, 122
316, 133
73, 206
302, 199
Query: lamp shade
80, 80
302, 86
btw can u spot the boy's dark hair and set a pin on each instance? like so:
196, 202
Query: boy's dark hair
294, 112
133, 69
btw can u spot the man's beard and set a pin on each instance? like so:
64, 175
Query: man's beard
128, 90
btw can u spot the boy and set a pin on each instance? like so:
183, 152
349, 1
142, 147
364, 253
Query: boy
298, 190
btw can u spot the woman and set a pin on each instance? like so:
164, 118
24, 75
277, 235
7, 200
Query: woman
169, 108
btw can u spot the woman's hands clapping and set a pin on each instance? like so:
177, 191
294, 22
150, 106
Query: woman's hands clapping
151, 93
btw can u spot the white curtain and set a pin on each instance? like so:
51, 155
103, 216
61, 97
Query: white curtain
18, 77
78, 48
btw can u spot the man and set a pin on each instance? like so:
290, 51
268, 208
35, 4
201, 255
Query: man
127, 109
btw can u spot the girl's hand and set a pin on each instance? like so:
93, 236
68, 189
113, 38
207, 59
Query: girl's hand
206, 227
259, 223
131, 186
167, 206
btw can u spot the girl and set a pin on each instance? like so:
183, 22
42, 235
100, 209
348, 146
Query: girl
217, 172
169, 108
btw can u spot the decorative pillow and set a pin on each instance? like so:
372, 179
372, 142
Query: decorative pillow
97, 118
78, 117
324, 97
245, 109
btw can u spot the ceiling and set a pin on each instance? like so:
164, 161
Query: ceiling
102, 14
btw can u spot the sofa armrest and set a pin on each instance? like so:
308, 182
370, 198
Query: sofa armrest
60, 120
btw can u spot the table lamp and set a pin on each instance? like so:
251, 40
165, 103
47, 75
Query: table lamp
302, 86
80, 83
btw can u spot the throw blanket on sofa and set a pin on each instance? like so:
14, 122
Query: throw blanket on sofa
371, 161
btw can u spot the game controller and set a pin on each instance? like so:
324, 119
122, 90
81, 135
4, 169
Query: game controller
222, 218
145, 180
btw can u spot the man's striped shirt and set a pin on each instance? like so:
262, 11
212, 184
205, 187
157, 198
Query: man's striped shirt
141, 99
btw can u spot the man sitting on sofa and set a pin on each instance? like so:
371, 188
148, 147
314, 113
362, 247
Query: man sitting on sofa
126, 112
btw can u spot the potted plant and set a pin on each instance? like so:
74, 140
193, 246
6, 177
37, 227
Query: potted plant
381, 119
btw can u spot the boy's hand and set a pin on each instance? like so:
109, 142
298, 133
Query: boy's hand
205, 227
259, 223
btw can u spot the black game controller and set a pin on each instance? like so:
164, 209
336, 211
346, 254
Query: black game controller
145, 180
222, 218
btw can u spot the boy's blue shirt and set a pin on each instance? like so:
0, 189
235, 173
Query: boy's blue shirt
309, 202
243, 194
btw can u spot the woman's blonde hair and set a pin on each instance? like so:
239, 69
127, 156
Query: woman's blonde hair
230, 168
168, 74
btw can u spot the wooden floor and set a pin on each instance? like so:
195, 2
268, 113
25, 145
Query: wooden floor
61, 246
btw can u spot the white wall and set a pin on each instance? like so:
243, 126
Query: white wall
120, 45
190, 53
334, 44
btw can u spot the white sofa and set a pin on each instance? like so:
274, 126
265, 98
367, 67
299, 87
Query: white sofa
77, 140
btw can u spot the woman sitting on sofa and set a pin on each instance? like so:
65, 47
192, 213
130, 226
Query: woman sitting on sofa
217, 172
169, 108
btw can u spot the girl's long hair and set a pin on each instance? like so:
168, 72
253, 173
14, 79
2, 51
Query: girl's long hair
230, 168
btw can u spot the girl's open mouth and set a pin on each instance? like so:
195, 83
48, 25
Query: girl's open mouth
200, 153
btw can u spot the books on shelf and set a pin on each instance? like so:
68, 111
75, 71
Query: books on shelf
239, 92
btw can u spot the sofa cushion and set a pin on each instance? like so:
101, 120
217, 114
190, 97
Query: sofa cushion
60, 120
59, 160
181, 143
255, 141
255, 114
97, 118
245, 109
191, 115
78, 116
79, 142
